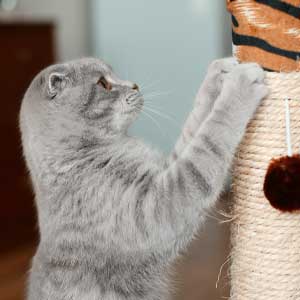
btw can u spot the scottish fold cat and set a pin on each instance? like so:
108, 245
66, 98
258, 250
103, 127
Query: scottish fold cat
114, 213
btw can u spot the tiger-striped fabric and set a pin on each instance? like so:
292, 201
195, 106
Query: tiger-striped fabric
267, 32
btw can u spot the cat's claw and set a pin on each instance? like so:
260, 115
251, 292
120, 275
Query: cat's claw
223, 66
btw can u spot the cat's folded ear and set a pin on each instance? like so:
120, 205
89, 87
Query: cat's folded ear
56, 84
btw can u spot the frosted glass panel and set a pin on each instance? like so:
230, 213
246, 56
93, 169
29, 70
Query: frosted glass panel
164, 46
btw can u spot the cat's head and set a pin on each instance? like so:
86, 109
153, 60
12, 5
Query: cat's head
82, 98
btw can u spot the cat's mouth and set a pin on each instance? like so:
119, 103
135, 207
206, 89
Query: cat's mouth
134, 103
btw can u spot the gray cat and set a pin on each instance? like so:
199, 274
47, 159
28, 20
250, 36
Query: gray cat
113, 213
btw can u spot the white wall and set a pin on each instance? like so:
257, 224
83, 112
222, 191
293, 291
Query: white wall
165, 43
72, 23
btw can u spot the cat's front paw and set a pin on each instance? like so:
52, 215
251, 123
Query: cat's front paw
223, 66
246, 83
216, 74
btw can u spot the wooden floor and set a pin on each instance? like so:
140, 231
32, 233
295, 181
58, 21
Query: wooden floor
14, 266
195, 274
198, 271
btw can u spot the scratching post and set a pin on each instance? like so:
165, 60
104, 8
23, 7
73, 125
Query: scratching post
265, 240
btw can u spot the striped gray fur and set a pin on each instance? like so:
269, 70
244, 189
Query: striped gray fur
113, 212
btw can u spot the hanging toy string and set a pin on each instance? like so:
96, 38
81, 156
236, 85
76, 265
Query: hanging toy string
282, 182
288, 126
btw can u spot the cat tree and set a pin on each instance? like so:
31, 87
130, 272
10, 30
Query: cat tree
266, 227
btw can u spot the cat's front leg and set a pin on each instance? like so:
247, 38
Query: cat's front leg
191, 185
213, 82
204, 102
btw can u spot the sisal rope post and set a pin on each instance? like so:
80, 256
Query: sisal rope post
265, 241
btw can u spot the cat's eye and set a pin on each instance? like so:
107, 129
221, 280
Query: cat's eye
135, 87
104, 83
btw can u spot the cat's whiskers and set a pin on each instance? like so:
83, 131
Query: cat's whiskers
156, 107
147, 114
150, 85
153, 120
161, 114
153, 95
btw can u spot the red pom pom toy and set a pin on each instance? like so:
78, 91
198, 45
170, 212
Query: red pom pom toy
282, 183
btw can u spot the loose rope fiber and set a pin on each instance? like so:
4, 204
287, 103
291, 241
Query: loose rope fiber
265, 242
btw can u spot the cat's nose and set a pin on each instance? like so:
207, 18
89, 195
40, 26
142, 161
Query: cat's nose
135, 87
